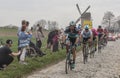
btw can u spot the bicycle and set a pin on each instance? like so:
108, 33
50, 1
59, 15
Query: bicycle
69, 59
99, 46
85, 51
92, 52
104, 41
31, 52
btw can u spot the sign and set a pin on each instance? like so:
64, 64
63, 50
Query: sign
87, 22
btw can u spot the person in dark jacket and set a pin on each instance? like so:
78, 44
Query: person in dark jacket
6, 55
55, 41
50, 39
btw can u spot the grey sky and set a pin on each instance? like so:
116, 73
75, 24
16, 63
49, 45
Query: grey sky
62, 11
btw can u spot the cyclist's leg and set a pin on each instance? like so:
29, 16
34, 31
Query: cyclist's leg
74, 54
84, 40
99, 37
102, 39
90, 43
95, 43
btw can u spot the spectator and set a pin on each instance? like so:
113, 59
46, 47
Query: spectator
50, 40
55, 41
39, 35
6, 55
24, 40
61, 38
23, 23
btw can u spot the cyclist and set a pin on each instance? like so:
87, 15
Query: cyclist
105, 34
86, 35
95, 37
79, 29
100, 32
72, 35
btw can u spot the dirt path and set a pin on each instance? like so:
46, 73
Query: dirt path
104, 65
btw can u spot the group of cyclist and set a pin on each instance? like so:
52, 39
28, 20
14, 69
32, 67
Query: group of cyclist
77, 34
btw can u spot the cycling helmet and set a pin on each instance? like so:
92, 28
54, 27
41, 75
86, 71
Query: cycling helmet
79, 26
86, 27
99, 26
93, 29
72, 23
9, 41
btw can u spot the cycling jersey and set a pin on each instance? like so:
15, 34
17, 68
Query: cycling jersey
72, 35
95, 33
100, 31
86, 34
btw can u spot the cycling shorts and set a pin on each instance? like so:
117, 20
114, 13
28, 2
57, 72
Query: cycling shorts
85, 39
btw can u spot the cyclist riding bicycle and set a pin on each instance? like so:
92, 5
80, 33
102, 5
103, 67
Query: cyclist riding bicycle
95, 37
79, 29
100, 32
72, 35
106, 34
86, 35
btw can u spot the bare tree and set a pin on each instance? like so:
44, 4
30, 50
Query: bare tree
107, 18
52, 25
42, 23
118, 24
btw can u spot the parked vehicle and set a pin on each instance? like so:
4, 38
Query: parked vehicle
119, 35
111, 37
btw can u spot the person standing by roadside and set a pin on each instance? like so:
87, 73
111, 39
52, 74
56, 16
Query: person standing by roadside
55, 41
61, 38
24, 40
23, 22
39, 35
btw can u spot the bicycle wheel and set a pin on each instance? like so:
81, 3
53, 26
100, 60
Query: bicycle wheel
31, 52
99, 47
71, 61
94, 49
105, 42
86, 52
92, 52
85, 55
67, 63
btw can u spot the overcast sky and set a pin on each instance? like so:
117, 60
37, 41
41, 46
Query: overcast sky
62, 11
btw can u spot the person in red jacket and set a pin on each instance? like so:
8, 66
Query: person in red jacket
100, 32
